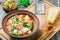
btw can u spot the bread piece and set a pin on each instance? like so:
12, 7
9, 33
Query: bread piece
52, 14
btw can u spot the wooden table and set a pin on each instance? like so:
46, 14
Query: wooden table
42, 18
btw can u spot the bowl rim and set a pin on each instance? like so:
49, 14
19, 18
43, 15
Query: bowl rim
34, 31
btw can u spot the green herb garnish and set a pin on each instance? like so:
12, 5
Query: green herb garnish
25, 24
23, 2
17, 19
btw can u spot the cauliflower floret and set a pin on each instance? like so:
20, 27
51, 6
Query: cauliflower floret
9, 28
26, 18
20, 32
15, 31
9, 22
24, 30
29, 31
14, 20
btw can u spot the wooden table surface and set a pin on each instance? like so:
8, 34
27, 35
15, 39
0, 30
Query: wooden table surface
42, 18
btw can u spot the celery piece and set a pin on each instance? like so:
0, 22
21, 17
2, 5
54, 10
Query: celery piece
31, 25
16, 34
14, 27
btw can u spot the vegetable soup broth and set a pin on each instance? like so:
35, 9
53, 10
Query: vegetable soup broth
20, 25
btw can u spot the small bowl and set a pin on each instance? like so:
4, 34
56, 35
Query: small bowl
24, 12
7, 8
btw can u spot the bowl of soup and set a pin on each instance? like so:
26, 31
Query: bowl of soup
20, 24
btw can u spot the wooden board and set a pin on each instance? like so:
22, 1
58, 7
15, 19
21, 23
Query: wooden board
42, 18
